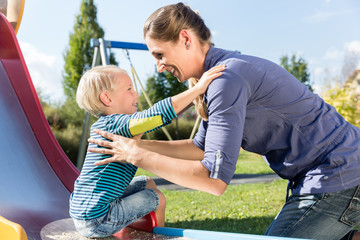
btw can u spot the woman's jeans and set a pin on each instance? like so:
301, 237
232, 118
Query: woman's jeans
318, 216
135, 203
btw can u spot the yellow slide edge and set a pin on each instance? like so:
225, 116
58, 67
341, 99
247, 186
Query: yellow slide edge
11, 231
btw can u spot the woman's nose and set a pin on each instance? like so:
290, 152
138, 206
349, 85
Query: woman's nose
160, 67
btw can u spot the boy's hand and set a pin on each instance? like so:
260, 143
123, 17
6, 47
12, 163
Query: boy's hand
208, 76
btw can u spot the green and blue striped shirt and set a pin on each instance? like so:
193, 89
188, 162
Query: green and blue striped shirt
98, 186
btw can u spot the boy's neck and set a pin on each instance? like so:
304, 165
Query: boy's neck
109, 111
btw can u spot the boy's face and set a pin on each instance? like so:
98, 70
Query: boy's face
124, 97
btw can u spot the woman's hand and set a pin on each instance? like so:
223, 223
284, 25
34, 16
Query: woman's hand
190, 174
122, 149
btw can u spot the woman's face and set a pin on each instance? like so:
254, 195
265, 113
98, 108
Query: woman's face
172, 57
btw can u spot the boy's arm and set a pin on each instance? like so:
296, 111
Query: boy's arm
184, 99
165, 110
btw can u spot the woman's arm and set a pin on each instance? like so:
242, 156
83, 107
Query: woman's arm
176, 149
190, 174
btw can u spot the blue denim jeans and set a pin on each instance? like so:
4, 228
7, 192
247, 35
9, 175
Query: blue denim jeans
318, 216
135, 203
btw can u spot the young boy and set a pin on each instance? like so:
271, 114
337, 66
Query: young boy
108, 198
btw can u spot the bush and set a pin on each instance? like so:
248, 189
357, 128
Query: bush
69, 140
65, 121
345, 102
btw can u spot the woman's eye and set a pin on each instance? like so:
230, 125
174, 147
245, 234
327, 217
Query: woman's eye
159, 56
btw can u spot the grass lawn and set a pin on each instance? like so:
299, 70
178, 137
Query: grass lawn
247, 208
251, 163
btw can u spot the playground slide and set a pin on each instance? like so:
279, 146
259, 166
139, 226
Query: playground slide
36, 176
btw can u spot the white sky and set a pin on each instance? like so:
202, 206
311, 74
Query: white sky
319, 31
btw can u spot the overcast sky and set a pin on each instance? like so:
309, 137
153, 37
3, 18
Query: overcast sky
319, 31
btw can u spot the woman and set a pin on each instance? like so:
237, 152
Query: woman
260, 107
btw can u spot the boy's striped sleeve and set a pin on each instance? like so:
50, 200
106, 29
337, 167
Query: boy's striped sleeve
152, 119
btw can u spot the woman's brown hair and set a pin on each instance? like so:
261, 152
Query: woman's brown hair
166, 23
200, 106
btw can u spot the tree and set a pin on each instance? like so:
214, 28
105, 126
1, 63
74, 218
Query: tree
67, 126
162, 85
350, 62
298, 68
79, 54
346, 103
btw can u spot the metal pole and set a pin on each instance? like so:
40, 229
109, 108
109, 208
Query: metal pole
198, 119
100, 56
83, 141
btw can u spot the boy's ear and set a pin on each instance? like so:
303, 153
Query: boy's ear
105, 99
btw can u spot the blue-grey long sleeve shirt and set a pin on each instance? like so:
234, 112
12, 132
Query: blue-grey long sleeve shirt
259, 106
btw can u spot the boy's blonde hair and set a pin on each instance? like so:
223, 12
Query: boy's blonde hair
95, 81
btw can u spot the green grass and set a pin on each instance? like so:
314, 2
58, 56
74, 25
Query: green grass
251, 163
247, 208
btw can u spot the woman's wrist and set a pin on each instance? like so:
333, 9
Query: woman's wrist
145, 144
138, 155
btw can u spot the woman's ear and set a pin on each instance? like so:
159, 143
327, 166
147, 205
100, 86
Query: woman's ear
185, 38
105, 99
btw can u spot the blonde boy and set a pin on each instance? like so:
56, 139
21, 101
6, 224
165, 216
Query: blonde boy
108, 198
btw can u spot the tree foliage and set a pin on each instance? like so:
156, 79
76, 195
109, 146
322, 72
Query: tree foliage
79, 55
343, 92
66, 122
346, 100
350, 62
160, 86
298, 68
